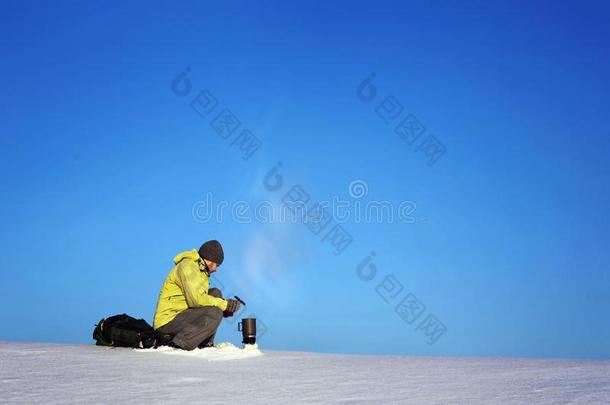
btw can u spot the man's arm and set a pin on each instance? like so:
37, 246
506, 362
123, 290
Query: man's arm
191, 283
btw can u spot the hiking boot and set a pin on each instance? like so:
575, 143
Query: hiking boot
172, 344
206, 343
163, 339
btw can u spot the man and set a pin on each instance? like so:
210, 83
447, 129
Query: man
188, 311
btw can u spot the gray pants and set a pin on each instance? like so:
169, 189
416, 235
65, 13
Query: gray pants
194, 326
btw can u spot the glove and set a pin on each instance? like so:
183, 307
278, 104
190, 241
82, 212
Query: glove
232, 307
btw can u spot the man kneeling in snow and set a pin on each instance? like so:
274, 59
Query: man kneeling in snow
188, 311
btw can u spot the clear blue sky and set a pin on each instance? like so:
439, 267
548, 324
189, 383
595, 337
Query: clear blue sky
102, 165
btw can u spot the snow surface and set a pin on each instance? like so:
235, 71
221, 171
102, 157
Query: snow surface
221, 352
53, 373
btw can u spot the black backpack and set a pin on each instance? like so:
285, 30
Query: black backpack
124, 331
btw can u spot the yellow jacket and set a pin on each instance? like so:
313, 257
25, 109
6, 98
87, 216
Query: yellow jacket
186, 286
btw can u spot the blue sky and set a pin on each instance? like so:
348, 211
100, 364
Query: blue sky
103, 164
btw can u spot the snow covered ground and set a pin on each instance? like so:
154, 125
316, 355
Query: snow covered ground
52, 373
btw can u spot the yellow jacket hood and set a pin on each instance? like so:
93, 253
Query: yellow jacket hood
189, 254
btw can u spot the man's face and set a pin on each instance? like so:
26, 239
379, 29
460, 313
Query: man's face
211, 265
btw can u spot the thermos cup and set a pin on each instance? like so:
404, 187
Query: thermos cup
247, 327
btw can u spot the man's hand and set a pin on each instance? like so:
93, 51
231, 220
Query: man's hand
232, 307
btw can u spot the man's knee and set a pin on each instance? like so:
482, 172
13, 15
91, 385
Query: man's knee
205, 316
214, 313
215, 292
